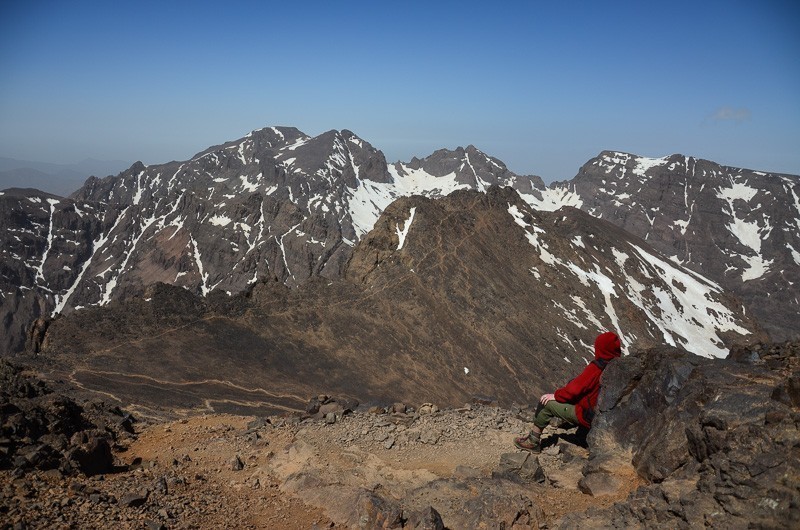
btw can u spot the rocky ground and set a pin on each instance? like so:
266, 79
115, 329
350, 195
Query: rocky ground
233, 471
330, 467
679, 442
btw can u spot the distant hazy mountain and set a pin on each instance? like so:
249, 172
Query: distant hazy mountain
58, 179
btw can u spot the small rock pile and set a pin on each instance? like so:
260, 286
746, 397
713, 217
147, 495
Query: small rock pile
400, 425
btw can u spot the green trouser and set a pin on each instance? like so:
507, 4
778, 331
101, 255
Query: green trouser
545, 413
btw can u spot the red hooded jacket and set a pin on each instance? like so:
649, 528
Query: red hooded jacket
583, 390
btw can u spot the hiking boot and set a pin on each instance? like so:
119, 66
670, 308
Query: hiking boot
526, 443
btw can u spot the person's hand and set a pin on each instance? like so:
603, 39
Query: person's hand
546, 398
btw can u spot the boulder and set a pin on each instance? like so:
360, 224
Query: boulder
93, 457
134, 500
716, 440
425, 519
599, 483
373, 512
520, 466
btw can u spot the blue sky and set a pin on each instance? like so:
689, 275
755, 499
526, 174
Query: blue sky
544, 86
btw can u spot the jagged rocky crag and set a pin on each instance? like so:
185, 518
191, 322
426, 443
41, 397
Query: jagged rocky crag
47, 430
737, 226
41, 235
280, 204
718, 441
430, 299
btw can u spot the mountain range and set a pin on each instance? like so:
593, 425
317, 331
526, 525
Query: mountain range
652, 247
59, 179
280, 266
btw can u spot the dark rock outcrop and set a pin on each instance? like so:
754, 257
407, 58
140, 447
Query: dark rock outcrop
42, 429
718, 441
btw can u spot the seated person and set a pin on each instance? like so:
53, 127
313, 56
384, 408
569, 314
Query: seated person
575, 401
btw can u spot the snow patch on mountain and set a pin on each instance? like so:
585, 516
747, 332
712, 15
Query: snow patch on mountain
368, 200
553, 199
40, 281
644, 164
137, 197
402, 233
688, 313
298, 143
97, 246
247, 185
409, 181
638, 165
220, 220
748, 232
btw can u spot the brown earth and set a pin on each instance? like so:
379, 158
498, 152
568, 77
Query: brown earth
445, 318
220, 471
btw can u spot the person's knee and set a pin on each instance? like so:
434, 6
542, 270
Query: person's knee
553, 407
543, 416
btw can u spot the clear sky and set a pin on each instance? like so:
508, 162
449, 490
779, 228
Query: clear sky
543, 86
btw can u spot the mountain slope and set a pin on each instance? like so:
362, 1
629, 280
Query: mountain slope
274, 204
471, 294
739, 227
281, 204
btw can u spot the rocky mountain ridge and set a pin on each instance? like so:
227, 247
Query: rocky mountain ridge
738, 227
280, 204
276, 203
471, 294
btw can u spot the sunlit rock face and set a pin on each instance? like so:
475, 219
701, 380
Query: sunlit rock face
280, 204
739, 227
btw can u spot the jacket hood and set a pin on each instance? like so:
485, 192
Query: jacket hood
607, 346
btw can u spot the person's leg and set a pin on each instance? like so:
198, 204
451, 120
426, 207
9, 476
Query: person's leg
553, 409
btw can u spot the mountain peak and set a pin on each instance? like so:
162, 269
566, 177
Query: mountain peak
137, 167
279, 203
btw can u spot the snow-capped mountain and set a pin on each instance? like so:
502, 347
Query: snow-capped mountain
276, 203
279, 204
739, 227
471, 294
582, 274
437, 175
